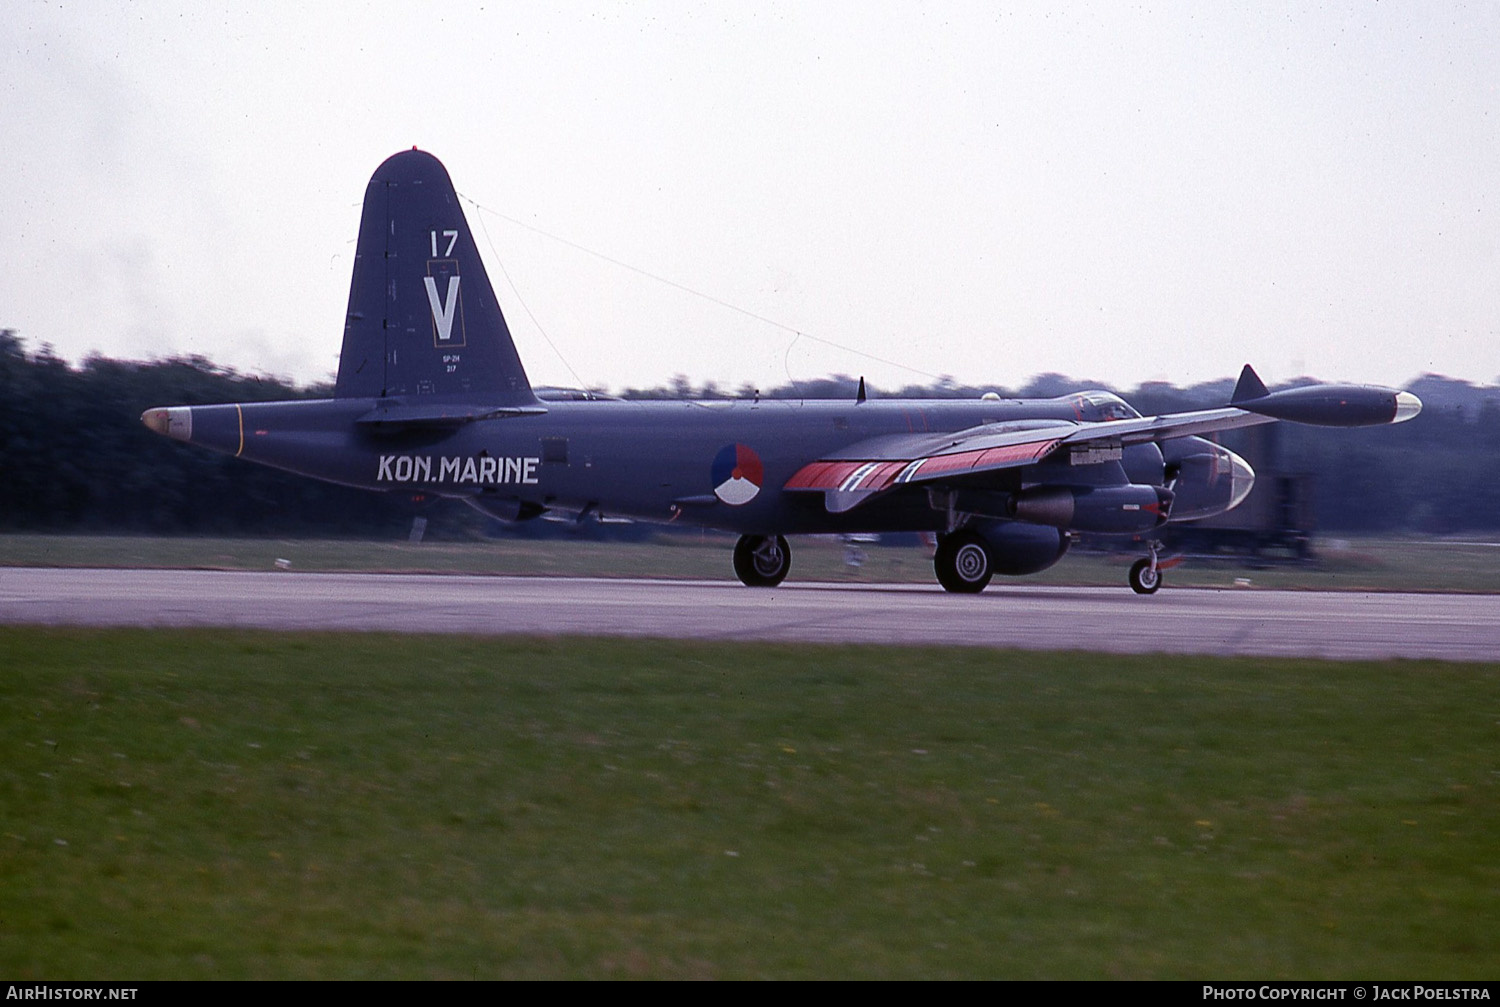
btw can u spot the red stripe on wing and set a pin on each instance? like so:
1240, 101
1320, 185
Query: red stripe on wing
980, 459
831, 475
822, 475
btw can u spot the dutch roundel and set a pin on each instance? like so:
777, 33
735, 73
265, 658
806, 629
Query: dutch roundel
737, 475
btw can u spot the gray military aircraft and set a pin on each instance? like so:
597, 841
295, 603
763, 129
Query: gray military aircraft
431, 397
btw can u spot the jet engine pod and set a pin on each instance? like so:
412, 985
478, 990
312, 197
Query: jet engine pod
1109, 509
1018, 549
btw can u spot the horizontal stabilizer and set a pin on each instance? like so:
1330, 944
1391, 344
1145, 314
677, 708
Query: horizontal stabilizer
435, 414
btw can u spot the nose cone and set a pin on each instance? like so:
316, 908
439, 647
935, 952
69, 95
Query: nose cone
1241, 479
175, 422
1407, 406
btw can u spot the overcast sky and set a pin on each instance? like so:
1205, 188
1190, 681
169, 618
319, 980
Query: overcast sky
988, 191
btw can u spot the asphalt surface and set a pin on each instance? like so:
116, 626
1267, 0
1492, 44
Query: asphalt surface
1014, 614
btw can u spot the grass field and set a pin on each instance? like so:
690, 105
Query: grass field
1372, 564
226, 804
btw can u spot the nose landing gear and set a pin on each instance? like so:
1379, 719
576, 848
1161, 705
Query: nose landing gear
1145, 574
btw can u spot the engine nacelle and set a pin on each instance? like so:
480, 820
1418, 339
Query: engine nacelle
1018, 549
1206, 479
1121, 510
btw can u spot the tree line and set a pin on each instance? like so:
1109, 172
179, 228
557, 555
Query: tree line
74, 456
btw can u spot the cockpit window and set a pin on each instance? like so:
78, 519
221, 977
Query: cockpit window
1107, 406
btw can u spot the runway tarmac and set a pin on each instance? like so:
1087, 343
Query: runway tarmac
1010, 614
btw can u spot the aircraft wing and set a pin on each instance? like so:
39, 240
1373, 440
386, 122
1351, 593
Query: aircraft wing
1162, 428
852, 475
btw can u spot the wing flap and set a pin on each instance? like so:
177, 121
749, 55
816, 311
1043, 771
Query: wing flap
848, 482
978, 460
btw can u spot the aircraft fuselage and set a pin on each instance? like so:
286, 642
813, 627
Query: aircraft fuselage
645, 460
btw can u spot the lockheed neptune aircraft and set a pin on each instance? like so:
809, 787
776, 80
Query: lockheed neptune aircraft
431, 397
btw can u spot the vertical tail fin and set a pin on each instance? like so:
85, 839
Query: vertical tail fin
423, 319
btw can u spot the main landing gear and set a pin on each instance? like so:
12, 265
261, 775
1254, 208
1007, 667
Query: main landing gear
963, 563
762, 560
1145, 574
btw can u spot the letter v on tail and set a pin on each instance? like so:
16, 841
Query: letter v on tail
442, 314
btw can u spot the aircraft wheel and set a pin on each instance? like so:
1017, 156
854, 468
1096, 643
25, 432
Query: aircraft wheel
762, 560
1143, 578
963, 563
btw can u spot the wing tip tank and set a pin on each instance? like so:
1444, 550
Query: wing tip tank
1325, 405
1407, 407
